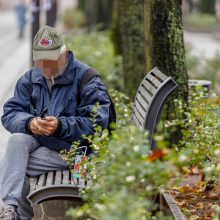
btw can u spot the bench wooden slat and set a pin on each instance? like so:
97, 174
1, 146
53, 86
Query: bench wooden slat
136, 122
146, 95
58, 177
139, 117
140, 108
159, 74
82, 183
142, 100
41, 181
50, 178
149, 87
154, 80
33, 183
66, 179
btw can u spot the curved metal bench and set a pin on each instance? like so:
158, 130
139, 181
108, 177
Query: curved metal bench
149, 101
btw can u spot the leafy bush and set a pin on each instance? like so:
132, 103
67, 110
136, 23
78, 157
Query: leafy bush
124, 176
200, 145
96, 49
74, 18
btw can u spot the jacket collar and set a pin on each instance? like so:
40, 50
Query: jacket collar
66, 78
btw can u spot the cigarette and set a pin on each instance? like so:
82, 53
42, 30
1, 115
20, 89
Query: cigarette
52, 79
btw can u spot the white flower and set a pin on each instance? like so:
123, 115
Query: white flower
136, 148
96, 147
130, 179
217, 152
149, 188
182, 157
128, 164
99, 206
210, 168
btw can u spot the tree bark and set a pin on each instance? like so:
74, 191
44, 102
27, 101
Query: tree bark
104, 16
98, 12
81, 4
131, 32
165, 46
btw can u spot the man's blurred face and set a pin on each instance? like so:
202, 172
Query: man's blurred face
52, 68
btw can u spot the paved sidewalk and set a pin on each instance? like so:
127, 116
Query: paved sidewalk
14, 61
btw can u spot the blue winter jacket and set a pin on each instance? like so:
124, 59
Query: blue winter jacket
32, 98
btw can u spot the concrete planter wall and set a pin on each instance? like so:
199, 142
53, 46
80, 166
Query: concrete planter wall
169, 206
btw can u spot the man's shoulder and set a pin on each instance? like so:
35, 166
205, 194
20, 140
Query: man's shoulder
26, 77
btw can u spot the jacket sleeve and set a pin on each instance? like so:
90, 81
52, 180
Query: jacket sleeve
16, 109
73, 127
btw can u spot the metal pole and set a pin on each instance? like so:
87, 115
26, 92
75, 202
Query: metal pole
52, 14
35, 8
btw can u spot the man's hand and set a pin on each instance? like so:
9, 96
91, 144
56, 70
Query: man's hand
45, 126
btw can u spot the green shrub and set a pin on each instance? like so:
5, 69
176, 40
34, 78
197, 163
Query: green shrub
96, 49
74, 18
200, 145
124, 178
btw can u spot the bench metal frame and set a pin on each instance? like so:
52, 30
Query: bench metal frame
147, 111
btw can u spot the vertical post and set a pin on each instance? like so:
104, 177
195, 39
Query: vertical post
35, 8
52, 14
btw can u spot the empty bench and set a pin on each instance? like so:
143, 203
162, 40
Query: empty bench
150, 97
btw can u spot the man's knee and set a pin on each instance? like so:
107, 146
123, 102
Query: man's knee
21, 141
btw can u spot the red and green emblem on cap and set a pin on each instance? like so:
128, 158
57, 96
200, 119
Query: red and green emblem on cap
45, 42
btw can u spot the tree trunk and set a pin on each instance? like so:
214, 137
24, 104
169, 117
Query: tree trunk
190, 3
81, 4
91, 8
207, 6
104, 16
99, 12
131, 31
115, 30
165, 46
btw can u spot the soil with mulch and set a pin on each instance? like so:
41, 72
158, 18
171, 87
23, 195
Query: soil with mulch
197, 199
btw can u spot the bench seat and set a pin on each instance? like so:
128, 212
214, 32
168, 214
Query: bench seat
55, 185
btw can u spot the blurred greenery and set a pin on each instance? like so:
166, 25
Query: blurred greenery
96, 49
202, 20
74, 18
205, 69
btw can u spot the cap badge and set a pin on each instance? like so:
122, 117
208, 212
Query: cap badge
45, 42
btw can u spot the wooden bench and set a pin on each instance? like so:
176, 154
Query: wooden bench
150, 97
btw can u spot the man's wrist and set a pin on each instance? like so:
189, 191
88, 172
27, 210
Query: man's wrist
28, 125
58, 129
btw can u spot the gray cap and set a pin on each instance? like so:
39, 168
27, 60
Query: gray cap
48, 44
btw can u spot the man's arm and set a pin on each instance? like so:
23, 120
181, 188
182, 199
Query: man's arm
16, 109
73, 127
